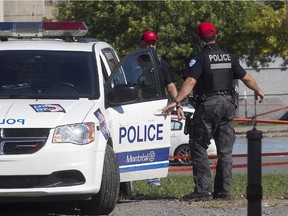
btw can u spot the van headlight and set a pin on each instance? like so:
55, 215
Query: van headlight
82, 133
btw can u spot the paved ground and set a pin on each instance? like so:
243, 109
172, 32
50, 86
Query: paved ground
268, 130
159, 207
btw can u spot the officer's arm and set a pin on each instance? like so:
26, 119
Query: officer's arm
172, 90
185, 89
249, 81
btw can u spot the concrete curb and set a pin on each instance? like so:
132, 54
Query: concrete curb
267, 130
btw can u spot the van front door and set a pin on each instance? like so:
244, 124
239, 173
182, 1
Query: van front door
140, 132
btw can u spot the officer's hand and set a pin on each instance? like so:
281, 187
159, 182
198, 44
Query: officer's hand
260, 95
169, 108
180, 113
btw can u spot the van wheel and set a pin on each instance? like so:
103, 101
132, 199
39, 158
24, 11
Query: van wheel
183, 150
127, 189
105, 200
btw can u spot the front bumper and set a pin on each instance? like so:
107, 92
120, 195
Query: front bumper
57, 170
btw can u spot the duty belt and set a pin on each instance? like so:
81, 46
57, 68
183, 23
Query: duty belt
217, 93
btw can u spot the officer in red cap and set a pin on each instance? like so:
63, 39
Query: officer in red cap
210, 75
149, 39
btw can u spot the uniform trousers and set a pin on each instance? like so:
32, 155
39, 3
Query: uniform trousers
213, 118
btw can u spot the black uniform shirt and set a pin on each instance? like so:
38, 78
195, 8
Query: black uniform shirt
168, 74
195, 65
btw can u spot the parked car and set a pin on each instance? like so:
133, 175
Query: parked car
180, 141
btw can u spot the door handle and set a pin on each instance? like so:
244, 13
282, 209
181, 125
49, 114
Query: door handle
159, 112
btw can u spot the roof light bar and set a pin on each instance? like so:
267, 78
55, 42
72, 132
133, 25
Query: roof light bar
42, 29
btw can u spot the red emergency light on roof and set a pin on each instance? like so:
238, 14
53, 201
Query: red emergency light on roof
64, 26
40, 29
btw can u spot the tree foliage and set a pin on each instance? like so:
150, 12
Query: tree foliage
254, 31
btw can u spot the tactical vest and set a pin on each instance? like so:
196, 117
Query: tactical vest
217, 73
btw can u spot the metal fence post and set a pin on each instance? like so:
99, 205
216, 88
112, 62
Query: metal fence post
254, 188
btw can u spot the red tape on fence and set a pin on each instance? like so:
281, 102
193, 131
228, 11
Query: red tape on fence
235, 155
261, 120
189, 169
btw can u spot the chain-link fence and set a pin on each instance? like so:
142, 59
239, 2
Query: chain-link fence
275, 106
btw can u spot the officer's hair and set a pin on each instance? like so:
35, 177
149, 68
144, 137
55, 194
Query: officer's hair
209, 38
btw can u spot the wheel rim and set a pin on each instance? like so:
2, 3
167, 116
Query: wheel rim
184, 151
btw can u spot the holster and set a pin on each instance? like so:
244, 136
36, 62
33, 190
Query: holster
196, 101
235, 99
188, 126
188, 123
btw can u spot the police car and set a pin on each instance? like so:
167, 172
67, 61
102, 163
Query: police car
180, 150
74, 121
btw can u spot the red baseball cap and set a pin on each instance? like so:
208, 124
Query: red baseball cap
206, 29
149, 36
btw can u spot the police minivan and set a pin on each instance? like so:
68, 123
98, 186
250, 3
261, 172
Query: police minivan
74, 122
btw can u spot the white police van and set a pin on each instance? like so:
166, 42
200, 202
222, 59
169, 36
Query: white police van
74, 121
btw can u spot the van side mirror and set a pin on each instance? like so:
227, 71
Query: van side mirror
122, 94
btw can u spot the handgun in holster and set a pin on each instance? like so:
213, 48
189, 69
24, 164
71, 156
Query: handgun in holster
188, 123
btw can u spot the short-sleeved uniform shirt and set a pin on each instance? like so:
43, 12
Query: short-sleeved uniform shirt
168, 74
195, 65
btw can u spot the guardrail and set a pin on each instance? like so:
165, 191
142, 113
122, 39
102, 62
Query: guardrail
261, 120
189, 168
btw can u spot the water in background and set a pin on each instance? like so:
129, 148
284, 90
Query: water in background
273, 144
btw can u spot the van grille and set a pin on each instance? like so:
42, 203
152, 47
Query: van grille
55, 179
12, 182
22, 141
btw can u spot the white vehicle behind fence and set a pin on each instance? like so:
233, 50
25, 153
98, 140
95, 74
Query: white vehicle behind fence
180, 150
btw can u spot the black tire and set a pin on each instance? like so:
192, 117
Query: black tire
105, 200
183, 150
127, 189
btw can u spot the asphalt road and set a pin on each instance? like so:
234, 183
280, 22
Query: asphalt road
159, 207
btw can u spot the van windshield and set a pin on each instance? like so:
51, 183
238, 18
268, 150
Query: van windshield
48, 74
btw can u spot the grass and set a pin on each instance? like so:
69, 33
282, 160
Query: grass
274, 186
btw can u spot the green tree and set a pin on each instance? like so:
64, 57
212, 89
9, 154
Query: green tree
255, 32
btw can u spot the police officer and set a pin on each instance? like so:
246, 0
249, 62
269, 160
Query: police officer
210, 75
149, 39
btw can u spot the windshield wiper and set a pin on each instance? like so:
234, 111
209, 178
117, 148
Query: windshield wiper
17, 86
19, 96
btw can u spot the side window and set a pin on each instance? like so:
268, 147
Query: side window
104, 70
176, 125
139, 71
110, 57
147, 79
119, 79
138, 74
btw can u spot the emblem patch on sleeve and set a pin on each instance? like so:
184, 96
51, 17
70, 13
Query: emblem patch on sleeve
192, 62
